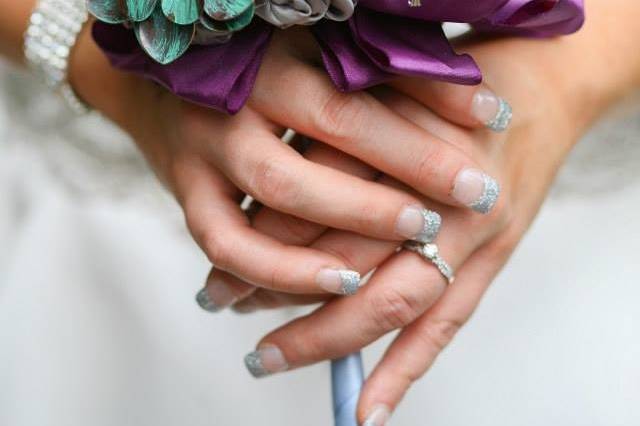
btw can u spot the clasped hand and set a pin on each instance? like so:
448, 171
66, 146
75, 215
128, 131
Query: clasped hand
379, 164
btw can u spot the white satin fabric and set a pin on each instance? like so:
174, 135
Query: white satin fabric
98, 325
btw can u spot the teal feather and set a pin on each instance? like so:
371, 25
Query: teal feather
109, 11
139, 10
166, 28
162, 39
182, 12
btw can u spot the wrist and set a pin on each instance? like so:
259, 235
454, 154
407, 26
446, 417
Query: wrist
117, 95
601, 63
13, 23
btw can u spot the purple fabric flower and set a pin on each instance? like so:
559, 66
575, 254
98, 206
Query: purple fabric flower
383, 38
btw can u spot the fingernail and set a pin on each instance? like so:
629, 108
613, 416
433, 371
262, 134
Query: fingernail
265, 361
339, 281
216, 296
418, 224
493, 111
476, 189
205, 301
379, 416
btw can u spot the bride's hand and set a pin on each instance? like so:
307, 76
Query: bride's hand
406, 291
209, 160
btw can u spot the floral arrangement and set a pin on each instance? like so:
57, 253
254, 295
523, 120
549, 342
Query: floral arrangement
209, 51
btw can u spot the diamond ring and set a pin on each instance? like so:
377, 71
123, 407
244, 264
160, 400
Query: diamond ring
430, 252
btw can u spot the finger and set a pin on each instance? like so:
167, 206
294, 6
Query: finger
361, 253
361, 126
417, 346
470, 106
294, 230
400, 290
262, 300
463, 138
414, 112
222, 289
418, 114
277, 176
225, 235
285, 225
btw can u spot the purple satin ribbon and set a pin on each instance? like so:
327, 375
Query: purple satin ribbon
382, 39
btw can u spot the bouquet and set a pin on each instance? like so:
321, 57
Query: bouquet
209, 51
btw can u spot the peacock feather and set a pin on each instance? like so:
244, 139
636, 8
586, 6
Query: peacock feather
166, 28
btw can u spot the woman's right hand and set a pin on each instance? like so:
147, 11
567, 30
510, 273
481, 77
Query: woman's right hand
210, 160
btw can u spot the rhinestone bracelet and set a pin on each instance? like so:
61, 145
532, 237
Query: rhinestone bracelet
53, 30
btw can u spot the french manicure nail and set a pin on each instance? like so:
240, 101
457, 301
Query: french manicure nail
418, 224
216, 296
339, 281
205, 302
265, 361
379, 416
493, 111
476, 190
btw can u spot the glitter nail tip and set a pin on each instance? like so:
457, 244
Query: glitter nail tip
503, 117
205, 302
431, 227
489, 196
253, 362
350, 282
265, 361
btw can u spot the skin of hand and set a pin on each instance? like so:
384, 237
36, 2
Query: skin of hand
553, 108
123, 99
210, 160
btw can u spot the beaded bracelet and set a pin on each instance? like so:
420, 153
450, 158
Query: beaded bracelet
52, 32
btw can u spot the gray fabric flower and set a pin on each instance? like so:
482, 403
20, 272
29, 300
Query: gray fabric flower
285, 13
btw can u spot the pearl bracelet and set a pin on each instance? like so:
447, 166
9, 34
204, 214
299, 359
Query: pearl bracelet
53, 31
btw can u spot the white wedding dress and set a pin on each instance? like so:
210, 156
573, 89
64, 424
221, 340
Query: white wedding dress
98, 325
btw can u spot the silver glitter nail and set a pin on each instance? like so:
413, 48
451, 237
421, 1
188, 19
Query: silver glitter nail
489, 196
205, 302
503, 117
254, 365
350, 282
265, 361
431, 227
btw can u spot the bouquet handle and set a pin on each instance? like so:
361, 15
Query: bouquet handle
347, 377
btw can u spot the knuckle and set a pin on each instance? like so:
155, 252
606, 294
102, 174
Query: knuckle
373, 213
428, 165
392, 309
439, 333
303, 345
341, 116
216, 248
278, 278
274, 184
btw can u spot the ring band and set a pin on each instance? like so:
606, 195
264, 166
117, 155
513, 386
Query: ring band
430, 252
